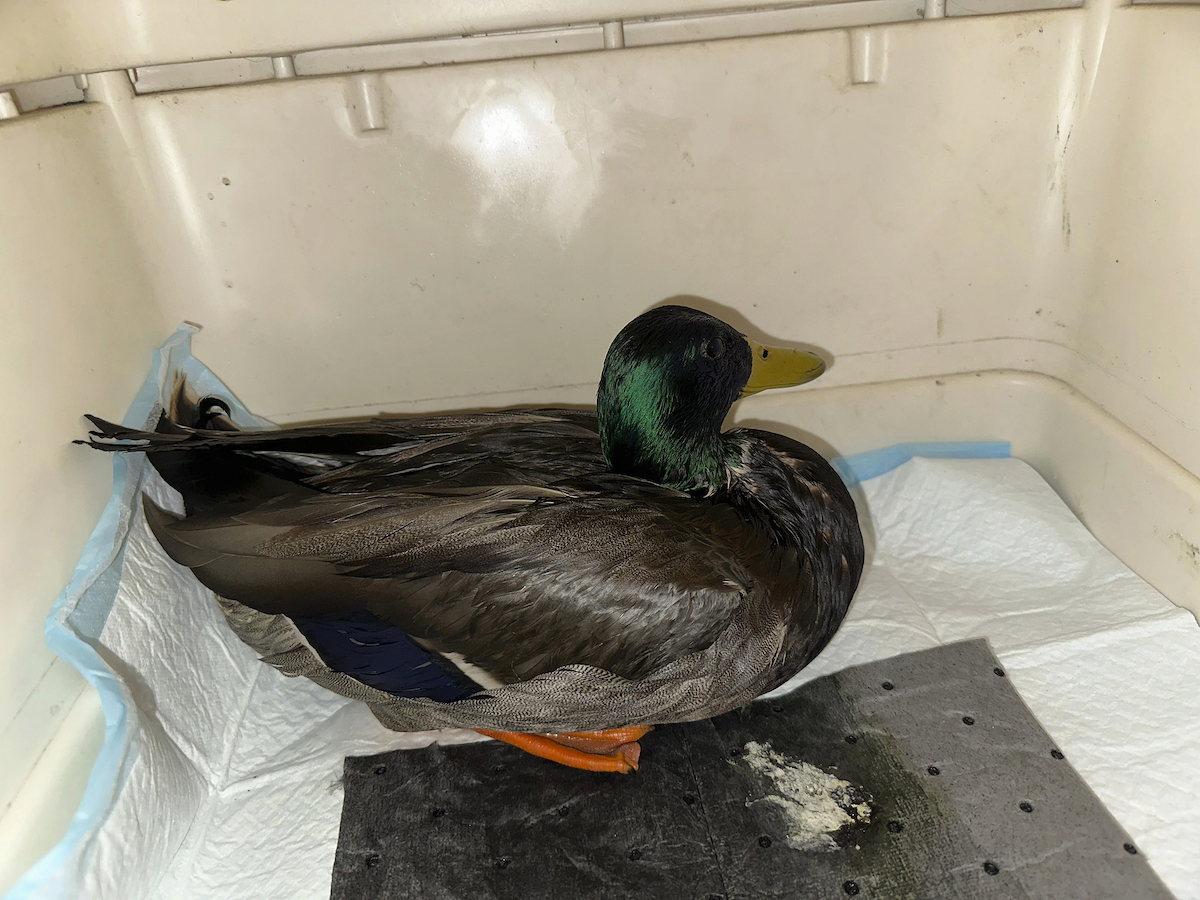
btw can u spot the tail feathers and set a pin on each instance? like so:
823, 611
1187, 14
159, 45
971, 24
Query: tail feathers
188, 416
107, 435
203, 413
166, 426
106, 429
214, 414
186, 413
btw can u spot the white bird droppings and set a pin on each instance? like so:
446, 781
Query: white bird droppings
816, 804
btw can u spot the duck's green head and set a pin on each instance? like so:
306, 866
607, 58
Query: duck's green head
669, 380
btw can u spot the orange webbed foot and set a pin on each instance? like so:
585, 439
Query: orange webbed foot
614, 750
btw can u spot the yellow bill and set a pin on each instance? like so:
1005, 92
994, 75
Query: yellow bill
778, 367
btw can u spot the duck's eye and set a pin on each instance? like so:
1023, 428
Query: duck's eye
713, 349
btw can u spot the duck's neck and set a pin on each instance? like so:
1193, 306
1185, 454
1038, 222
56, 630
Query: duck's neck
647, 433
696, 464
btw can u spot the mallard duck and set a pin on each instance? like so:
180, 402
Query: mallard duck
559, 579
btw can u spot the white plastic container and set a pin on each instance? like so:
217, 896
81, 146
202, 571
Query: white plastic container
988, 221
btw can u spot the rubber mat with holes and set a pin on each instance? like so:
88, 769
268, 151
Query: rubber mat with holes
922, 776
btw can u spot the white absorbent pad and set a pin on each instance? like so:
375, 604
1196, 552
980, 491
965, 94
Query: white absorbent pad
220, 777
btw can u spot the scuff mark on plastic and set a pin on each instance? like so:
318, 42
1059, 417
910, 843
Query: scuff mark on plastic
1066, 211
1190, 553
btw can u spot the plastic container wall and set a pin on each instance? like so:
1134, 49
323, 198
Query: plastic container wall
79, 321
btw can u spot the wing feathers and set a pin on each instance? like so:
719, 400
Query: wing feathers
498, 537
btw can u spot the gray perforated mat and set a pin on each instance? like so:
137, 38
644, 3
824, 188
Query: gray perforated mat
923, 776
